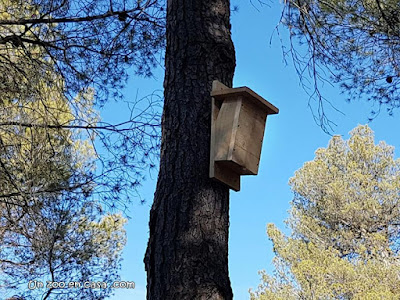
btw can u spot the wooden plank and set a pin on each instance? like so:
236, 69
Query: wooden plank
214, 114
251, 128
225, 129
249, 138
219, 171
215, 106
226, 175
248, 94
249, 163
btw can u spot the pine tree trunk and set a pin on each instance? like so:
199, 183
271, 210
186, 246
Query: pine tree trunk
187, 253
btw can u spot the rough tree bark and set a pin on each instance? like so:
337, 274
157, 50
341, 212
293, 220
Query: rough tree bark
187, 253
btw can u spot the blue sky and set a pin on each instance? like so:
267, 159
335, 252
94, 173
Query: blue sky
291, 138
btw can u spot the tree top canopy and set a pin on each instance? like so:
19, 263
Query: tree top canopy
354, 43
88, 43
345, 222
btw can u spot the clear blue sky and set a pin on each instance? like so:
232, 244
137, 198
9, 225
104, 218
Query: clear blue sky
291, 139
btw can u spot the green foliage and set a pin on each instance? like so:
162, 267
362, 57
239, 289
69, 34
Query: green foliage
60, 240
86, 42
52, 60
61, 167
354, 43
52, 180
345, 226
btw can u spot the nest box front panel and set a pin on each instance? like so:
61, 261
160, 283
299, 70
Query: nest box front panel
249, 137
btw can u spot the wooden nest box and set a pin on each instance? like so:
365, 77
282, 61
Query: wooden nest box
237, 131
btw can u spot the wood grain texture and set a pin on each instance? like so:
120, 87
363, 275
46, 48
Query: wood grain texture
237, 132
223, 132
226, 128
248, 93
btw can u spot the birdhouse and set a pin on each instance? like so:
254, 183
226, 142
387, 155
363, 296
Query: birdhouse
237, 131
